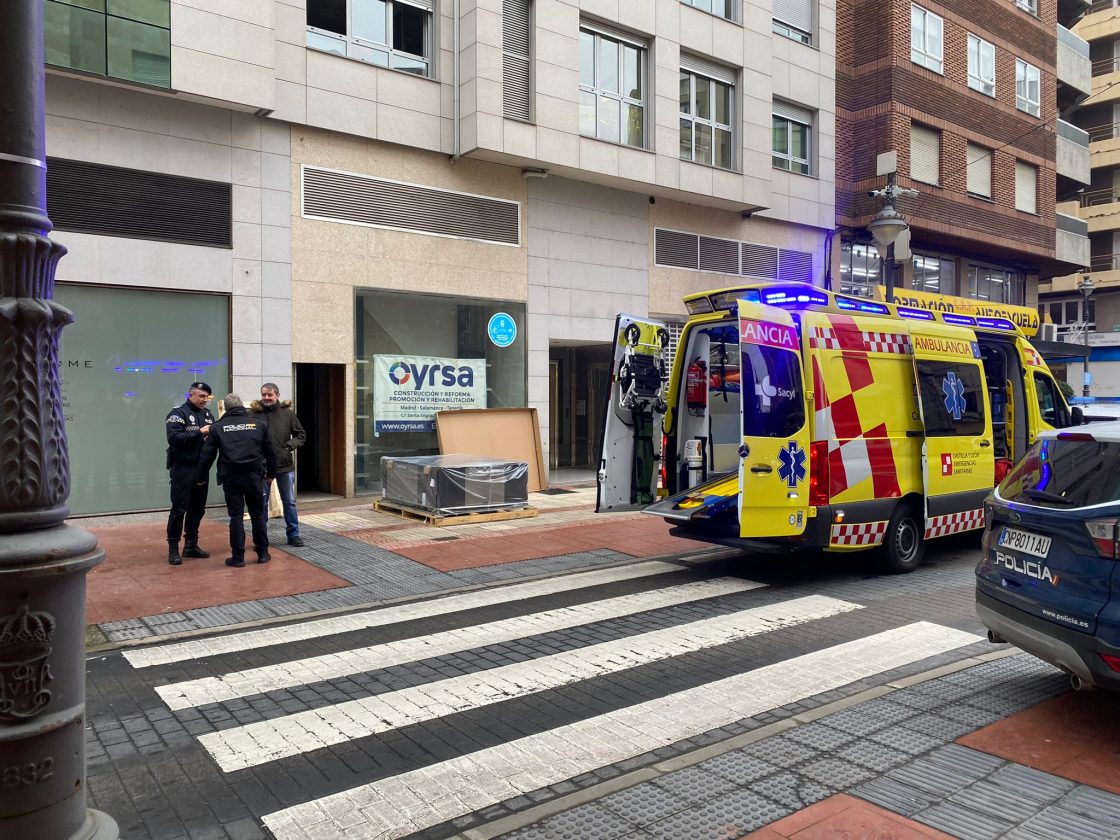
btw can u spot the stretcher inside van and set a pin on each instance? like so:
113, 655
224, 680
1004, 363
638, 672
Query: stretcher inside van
795, 417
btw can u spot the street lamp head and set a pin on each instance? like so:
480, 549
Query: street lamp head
1086, 285
885, 229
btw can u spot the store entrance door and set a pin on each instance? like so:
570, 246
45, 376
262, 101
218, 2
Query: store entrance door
580, 378
321, 407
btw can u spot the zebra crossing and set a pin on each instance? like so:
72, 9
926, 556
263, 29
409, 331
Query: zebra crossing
650, 655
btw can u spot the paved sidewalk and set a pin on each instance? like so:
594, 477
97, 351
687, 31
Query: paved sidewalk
353, 556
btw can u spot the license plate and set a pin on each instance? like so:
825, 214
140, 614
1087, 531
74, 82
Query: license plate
1025, 542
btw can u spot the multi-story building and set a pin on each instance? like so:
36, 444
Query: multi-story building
317, 192
1094, 318
968, 95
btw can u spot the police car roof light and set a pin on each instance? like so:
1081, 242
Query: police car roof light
960, 320
915, 314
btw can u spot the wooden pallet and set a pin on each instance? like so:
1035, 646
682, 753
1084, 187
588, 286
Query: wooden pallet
442, 520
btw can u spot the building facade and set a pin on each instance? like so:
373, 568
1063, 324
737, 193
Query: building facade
967, 94
385, 204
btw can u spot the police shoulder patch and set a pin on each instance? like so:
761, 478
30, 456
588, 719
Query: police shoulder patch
175, 418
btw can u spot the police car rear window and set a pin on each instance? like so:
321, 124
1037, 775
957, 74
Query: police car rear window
773, 401
1064, 474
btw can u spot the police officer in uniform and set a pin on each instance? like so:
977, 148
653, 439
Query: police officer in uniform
187, 428
245, 458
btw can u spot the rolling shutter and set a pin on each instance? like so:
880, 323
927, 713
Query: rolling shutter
517, 77
1026, 183
925, 154
795, 13
113, 201
979, 170
358, 199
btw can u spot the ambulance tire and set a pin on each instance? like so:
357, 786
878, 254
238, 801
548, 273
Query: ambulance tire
903, 545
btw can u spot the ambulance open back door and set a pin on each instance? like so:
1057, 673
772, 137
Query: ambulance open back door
958, 463
774, 452
629, 460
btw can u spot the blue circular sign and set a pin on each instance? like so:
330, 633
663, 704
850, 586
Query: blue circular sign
502, 329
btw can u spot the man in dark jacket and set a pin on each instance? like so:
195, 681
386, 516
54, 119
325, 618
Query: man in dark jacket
287, 435
187, 427
245, 458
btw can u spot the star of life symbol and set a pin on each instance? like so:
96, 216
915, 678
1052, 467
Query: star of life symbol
792, 467
954, 395
764, 390
946, 463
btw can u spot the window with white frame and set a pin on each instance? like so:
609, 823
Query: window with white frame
719, 8
794, 19
859, 269
925, 154
707, 96
1071, 314
1027, 97
1028, 6
981, 65
927, 36
793, 138
612, 87
388, 33
979, 169
1026, 187
995, 285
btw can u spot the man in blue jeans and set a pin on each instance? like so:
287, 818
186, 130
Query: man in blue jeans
286, 434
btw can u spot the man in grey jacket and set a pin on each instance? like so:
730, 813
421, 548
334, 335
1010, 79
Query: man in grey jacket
287, 435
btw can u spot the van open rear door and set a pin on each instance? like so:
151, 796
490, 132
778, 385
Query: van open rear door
627, 478
958, 464
774, 454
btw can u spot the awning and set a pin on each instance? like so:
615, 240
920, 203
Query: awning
1059, 351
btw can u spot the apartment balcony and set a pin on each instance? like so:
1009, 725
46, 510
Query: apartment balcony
1073, 158
1071, 239
1074, 69
1099, 209
1102, 21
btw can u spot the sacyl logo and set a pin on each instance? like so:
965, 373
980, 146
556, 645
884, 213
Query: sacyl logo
425, 375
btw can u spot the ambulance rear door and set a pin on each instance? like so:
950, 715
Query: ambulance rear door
958, 464
774, 453
628, 462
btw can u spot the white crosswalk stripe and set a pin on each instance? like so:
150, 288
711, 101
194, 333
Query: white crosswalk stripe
317, 629
419, 799
182, 695
269, 740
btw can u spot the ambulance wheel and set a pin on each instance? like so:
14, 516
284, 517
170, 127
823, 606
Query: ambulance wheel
904, 543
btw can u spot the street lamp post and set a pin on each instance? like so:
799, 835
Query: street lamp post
886, 227
43, 563
1086, 288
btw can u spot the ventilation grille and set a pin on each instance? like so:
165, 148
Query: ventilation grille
728, 256
675, 329
344, 197
516, 68
679, 250
111, 201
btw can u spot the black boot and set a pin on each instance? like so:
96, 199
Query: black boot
191, 549
173, 556
262, 554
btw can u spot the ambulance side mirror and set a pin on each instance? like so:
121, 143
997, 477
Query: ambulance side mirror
1078, 415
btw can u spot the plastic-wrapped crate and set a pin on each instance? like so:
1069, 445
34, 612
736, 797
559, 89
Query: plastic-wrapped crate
454, 484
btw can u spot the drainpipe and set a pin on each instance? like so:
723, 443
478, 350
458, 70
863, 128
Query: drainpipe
455, 143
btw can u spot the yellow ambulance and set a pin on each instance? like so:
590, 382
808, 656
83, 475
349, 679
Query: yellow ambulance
795, 417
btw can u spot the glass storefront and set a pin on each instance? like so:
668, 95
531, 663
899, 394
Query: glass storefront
416, 354
125, 362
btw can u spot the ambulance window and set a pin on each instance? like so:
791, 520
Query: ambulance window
952, 398
1050, 404
773, 402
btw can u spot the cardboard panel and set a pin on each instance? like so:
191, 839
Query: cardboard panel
509, 433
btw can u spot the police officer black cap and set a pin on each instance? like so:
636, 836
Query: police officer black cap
202, 386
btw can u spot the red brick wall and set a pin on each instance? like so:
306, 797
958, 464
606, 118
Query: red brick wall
880, 92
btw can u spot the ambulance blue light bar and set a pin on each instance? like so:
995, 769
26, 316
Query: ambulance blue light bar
793, 296
914, 314
861, 306
995, 323
959, 320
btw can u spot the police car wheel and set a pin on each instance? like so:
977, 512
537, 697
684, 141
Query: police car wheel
904, 543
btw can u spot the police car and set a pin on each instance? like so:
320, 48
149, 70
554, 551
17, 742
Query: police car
1049, 580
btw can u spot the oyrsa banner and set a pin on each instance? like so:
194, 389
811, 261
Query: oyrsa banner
409, 390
